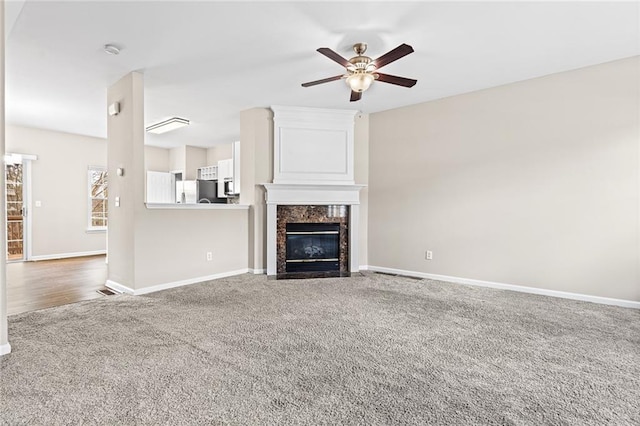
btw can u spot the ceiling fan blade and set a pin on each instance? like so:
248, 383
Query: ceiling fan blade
334, 56
355, 96
393, 55
324, 80
400, 81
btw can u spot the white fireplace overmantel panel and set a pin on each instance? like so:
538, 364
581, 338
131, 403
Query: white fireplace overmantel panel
301, 194
313, 145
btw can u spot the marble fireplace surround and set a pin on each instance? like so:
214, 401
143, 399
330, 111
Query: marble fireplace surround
311, 195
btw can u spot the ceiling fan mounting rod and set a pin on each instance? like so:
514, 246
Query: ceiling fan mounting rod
360, 48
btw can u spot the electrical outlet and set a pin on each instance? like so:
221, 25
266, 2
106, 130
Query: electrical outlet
209, 256
428, 255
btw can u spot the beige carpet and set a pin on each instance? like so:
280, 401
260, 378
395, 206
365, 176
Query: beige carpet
370, 349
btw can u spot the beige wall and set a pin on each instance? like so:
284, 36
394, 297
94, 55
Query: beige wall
188, 159
533, 183
194, 159
361, 177
177, 159
156, 159
171, 245
256, 168
148, 248
59, 182
125, 139
219, 152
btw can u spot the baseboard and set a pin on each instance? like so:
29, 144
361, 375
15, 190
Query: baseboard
364, 267
67, 255
502, 286
5, 349
257, 271
118, 287
165, 286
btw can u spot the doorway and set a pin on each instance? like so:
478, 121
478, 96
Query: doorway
16, 211
17, 169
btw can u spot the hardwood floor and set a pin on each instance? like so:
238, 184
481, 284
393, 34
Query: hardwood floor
48, 283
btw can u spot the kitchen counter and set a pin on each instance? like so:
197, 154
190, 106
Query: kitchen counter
199, 206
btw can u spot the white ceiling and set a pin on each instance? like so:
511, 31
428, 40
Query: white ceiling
207, 61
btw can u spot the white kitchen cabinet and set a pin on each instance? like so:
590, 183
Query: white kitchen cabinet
208, 173
236, 167
225, 177
159, 187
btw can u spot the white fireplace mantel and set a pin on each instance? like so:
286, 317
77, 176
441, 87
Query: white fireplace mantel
307, 194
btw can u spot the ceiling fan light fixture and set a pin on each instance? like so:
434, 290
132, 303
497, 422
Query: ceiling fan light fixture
360, 81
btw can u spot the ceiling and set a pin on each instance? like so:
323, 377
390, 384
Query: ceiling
207, 61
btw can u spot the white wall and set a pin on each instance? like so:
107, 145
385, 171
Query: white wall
59, 181
5, 347
533, 183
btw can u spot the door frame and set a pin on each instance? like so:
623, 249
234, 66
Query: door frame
25, 160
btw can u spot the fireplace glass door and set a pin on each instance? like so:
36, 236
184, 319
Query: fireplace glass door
313, 247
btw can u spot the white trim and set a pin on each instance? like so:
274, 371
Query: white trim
67, 255
124, 289
27, 236
15, 158
25, 161
364, 267
293, 126
312, 195
90, 199
513, 287
96, 230
118, 287
257, 271
196, 206
5, 349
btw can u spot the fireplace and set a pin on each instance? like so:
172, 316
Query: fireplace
313, 183
312, 247
312, 241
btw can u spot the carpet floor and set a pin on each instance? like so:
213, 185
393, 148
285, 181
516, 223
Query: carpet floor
370, 349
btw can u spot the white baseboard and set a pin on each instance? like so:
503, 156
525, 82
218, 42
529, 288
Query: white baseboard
67, 255
5, 349
118, 287
364, 267
257, 271
165, 286
541, 291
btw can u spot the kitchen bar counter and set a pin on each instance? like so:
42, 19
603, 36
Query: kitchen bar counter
199, 206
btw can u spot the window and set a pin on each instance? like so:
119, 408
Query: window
97, 198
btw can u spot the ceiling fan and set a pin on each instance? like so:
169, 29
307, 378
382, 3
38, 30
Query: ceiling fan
362, 70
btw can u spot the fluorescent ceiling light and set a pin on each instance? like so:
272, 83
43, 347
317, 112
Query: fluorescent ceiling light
168, 125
